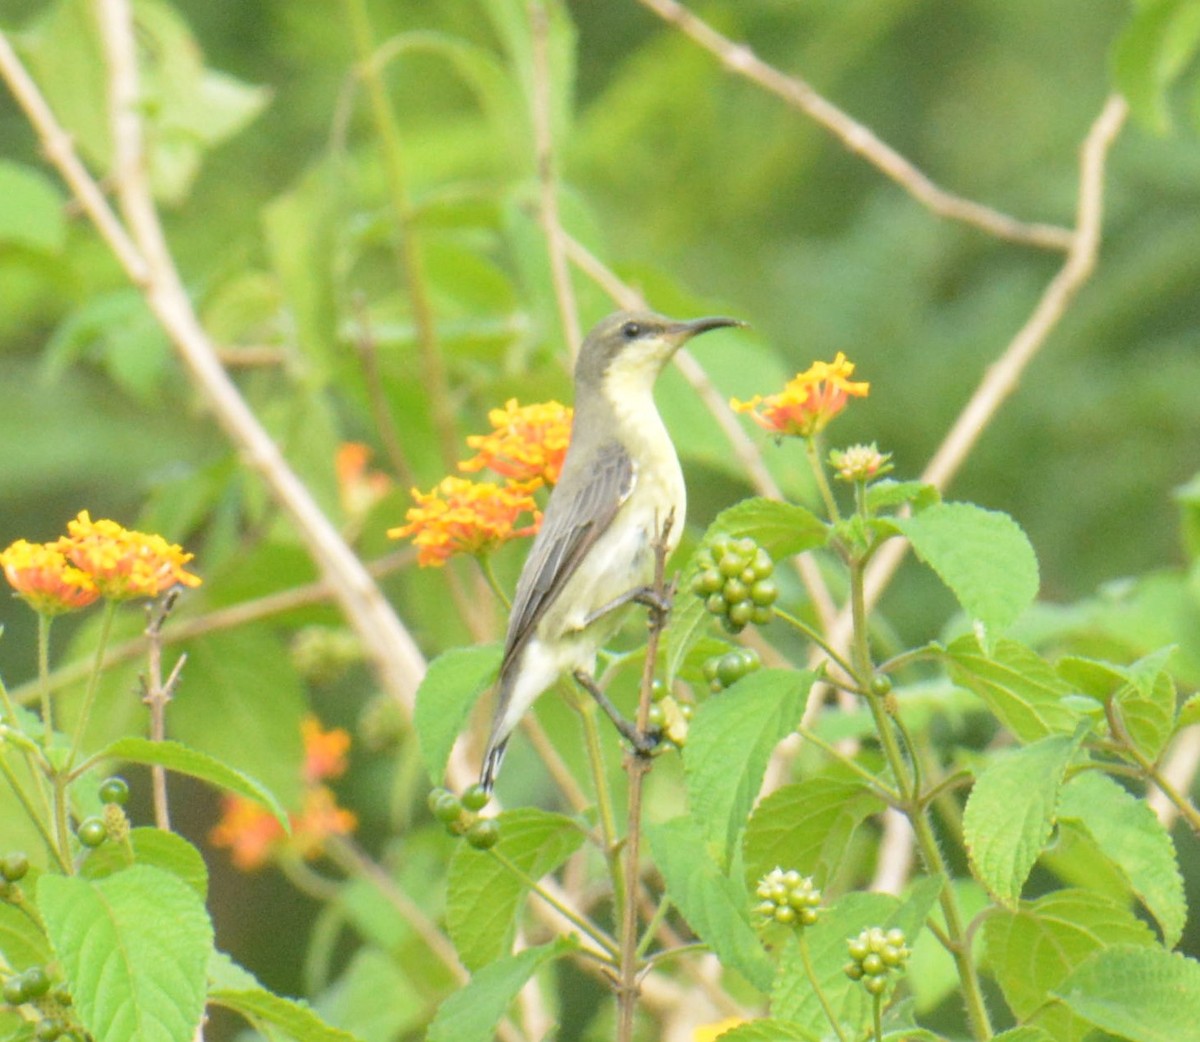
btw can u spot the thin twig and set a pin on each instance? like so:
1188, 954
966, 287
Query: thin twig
543, 143
156, 694
857, 138
148, 264
1178, 771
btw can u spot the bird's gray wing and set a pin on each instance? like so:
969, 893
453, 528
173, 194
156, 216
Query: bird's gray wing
580, 510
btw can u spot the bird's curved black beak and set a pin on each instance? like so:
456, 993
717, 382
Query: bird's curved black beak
686, 330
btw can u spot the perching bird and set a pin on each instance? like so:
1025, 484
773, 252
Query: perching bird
594, 554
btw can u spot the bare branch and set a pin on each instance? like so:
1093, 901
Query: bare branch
741, 60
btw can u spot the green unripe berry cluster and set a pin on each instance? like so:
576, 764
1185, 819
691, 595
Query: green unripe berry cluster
27, 986
460, 815
668, 717
874, 954
788, 898
735, 581
721, 671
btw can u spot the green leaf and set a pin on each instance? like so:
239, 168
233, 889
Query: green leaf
1010, 813
714, 905
484, 895
1151, 54
1140, 994
31, 210
238, 990
1034, 947
1189, 712
1132, 838
769, 1030
376, 997
782, 529
451, 686
729, 743
1026, 1033
889, 493
22, 942
166, 850
1016, 684
184, 760
982, 556
472, 1013
134, 949
808, 826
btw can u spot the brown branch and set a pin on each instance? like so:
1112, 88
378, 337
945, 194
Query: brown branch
857, 138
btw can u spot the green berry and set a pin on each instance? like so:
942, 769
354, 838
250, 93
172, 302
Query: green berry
853, 970
656, 717
730, 668
881, 685
47, 1030
764, 593
36, 981
873, 965
715, 604
858, 949
475, 797
762, 565
761, 616
708, 581
14, 866
434, 796
14, 991
447, 808
746, 547
484, 834
735, 591
92, 832
709, 669
785, 914
875, 985
740, 614
658, 690
114, 790
730, 565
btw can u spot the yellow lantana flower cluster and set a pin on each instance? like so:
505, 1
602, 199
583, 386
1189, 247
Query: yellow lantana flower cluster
808, 401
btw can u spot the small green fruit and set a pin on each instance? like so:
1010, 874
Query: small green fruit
14, 866
114, 790
475, 797
484, 834
92, 832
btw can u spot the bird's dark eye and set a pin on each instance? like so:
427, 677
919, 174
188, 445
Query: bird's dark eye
631, 331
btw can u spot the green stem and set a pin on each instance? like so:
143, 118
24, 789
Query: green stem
877, 1016
656, 920
885, 792
803, 627
412, 267
604, 805
601, 939
489, 573
56, 852
811, 972
93, 684
818, 469
1148, 767
43, 644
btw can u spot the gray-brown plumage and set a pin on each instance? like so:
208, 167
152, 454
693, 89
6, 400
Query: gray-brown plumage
620, 481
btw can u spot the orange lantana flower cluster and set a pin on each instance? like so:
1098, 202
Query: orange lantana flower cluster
526, 447
95, 559
253, 836
808, 401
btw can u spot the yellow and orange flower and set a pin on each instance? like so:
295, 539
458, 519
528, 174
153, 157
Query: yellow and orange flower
45, 579
123, 563
711, 1032
528, 442
809, 400
466, 517
253, 836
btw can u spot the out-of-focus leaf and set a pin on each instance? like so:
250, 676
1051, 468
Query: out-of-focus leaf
1155, 49
31, 210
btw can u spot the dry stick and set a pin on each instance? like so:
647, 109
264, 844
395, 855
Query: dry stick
744, 449
399, 663
1178, 771
157, 694
740, 59
543, 143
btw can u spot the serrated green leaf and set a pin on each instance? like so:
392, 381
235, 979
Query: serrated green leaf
793, 997
1010, 813
238, 990
483, 896
184, 760
1024, 1033
1017, 684
889, 493
22, 942
451, 686
1034, 947
31, 210
472, 1013
1189, 712
807, 826
1149, 717
1155, 48
713, 904
730, 742
166, 850
782, 529
768, 1030
134, 949
982, 556
1131, 838
376, 997
1140, 994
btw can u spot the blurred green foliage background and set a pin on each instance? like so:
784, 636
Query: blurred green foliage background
695, 186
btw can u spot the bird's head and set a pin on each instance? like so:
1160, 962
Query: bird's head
628, 349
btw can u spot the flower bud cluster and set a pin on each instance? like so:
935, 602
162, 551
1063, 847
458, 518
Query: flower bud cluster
874, 954
788, 898
721, 671
669, 717
735, 582
460, 815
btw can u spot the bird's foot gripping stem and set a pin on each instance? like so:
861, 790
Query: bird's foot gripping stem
644, 742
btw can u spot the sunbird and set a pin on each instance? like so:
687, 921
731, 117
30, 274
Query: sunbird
620, 489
